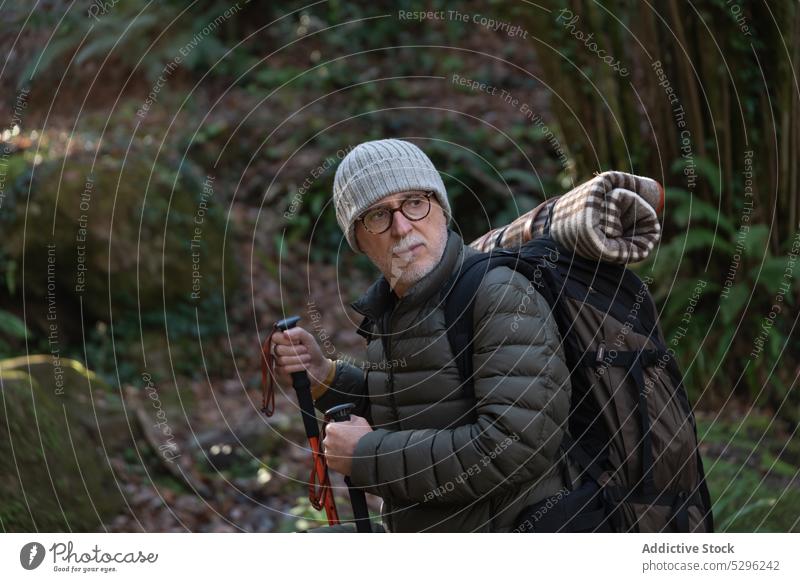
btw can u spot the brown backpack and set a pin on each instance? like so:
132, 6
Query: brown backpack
631, 428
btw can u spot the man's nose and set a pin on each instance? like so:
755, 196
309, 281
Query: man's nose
401, 226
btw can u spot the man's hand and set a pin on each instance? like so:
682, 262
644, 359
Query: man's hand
340, 442
296, 350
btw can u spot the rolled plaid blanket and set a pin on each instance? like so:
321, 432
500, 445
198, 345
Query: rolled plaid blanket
611, 218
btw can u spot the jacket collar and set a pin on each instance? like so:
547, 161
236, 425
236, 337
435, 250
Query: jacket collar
380, 298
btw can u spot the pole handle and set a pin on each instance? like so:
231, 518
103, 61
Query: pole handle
340, 412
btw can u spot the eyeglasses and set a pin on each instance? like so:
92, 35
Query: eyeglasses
379, 220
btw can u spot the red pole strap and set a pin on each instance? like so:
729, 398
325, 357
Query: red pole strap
267, 377
323, 495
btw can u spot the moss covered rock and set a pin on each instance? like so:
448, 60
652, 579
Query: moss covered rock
121, 234
60, 426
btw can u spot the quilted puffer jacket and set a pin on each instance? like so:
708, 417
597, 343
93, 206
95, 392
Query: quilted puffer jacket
436, 466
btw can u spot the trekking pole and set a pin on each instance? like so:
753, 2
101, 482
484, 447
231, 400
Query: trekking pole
358, 499
321, 496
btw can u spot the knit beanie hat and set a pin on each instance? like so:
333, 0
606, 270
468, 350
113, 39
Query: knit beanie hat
376, 169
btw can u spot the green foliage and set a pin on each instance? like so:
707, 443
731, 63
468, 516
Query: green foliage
686, 211
706, 169
144, 278
171, 339
742, 281
128, 35
16, 173
56, 476
751, 481
12, 332
382, 27
12, 325
305, 517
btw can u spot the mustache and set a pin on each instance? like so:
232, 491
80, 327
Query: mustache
405, 245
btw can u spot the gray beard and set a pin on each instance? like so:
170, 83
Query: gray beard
406, 271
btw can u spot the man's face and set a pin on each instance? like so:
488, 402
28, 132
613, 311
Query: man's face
409, 250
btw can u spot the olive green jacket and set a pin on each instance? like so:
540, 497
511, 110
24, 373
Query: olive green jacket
437, 467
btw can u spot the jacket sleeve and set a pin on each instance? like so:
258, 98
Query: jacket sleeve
348, 385
523, 397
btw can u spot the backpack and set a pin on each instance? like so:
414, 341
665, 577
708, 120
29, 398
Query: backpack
631, 430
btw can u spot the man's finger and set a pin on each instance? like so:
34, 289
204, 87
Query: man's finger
288, 337
297, 335
293, 333
294, 368
293, 350
284, 361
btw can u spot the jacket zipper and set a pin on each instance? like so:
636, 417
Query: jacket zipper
387, 351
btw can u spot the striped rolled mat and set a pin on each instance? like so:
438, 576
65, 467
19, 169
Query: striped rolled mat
613, 218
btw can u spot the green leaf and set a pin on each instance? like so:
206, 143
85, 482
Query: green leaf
12, 325
770, 274
679, 297
776, 344
686, 209
11, 275
755, 241
775, 466
703, 168
702, 238
97, 48
40, 62
709, 170
731, 304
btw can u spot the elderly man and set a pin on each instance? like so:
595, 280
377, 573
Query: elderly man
439, 459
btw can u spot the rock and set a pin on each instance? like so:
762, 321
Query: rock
121, 235
59, 428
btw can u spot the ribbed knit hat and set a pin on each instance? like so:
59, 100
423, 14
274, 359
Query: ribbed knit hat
376, 169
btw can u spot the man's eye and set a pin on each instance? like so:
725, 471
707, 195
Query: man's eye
377, 214
415, 202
